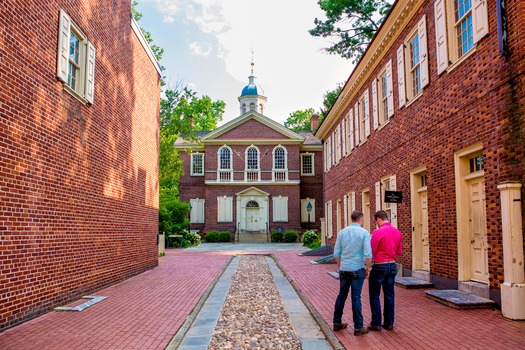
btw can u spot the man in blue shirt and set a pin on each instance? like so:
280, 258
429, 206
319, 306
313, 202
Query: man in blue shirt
352, 251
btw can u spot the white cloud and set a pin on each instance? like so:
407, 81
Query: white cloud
200, 49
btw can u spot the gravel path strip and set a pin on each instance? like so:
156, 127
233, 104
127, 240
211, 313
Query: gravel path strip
253, 316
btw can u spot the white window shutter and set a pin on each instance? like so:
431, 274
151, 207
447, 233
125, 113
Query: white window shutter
345, 211
375, 115
378, 196
423, 54
401, 76
343, 136
390, 96
63, 46
366, 116
480, 19
356, 124
441, 36
90, 73
197, 211
351, 128
393, 206
224, 209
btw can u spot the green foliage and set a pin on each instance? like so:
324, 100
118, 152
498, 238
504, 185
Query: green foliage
290, 236
352, 23
329, 99
192, 238
309, 237
173, 214
222, 237
314, 245
277, 236
299, 120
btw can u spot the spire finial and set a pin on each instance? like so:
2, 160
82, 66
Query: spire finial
252, 64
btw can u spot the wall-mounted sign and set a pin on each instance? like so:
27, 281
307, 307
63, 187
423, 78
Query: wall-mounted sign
393, 196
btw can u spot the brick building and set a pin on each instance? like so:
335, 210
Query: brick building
435, 109
252, 175
79, 106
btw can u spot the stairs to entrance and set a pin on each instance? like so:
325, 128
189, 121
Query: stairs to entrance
253, 237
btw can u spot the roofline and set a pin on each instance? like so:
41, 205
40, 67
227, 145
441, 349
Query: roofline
147, 48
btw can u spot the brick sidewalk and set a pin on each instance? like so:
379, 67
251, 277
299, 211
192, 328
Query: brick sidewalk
420, 322
143, 312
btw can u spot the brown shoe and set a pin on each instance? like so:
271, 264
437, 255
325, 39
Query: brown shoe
339, 326
388, 328
361, 331
374, 328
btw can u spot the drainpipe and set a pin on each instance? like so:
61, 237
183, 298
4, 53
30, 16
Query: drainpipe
513, 289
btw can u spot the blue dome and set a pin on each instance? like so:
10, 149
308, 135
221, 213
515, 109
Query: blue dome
252, 89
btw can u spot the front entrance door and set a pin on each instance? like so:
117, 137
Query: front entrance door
425, 244
478, 229
252, 219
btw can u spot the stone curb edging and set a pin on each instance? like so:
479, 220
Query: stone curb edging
325, 328
177, 339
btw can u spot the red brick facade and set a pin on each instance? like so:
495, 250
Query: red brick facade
253, 130
78, 181
479, 101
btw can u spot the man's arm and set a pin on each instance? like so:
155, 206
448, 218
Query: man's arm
400, 245
367, 251
338, 250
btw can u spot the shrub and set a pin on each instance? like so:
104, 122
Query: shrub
309, 237
173, 214
212, 236
192, 237
224, 236
277, 236
290, 236
314, 245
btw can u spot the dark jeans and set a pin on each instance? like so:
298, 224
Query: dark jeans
382, 275
347, 280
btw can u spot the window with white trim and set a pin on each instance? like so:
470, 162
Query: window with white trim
364, 121
307, 164
414, 87
280, 209
280, 168
252, 170
76, 60
465, 22
197, 211
387, 183
197, 164
224, 162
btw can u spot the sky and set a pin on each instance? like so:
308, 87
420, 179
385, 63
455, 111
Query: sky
208, 46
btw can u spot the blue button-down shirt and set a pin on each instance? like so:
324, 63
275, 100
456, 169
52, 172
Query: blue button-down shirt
352, 247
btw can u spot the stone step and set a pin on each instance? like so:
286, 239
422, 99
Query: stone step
248, 237
459, 300
412, 283
321, 251
329, 259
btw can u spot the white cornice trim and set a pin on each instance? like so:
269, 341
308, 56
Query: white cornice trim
398, 17
149, 52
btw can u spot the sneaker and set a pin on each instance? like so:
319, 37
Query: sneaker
374, 328
339, 326
361, 331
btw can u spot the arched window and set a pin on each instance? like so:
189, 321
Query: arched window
225, 158
252, 204
279, 158
243, 108
252, 158
252, 106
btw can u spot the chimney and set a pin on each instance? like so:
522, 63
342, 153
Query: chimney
314, 121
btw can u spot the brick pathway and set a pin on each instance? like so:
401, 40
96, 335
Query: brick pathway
420, 322
143, 312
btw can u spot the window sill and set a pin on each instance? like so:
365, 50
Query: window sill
75, 94
384, 124
461, 60
414, 99
197, 175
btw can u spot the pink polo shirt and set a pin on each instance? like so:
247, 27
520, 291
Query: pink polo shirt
386, 243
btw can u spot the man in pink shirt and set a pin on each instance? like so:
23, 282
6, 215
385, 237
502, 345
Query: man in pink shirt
386, 246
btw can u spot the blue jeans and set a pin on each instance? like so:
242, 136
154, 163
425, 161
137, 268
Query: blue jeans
382, 275
347, 280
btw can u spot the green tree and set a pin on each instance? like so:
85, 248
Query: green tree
299, 120
329, 99
352, 23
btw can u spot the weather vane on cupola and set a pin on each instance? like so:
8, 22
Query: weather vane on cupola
252, 64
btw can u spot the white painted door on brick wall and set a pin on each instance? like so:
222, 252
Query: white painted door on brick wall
252, 219
478, 230
425, 243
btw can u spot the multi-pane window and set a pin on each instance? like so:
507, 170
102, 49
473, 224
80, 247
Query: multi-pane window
252, 161
197, 164
76, 59
424, 180
477, 163
463, 25
224, 158
279, 160
415, 67
307, 164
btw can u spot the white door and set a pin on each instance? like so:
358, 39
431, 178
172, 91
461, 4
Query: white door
252, 219
425, 244
478, 230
